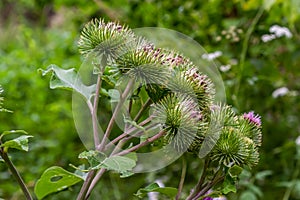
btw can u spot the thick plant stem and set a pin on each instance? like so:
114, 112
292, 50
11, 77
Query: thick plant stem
94, 182
93, 109
86, 185
85, 191
16, 174
181, 183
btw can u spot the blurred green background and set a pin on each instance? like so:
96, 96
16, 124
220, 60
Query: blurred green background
36, 33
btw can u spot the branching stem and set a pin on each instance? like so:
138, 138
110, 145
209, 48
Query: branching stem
115, 113
147, 141
94, 182
128, 132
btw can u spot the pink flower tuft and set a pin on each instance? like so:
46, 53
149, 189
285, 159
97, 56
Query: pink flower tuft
252, 118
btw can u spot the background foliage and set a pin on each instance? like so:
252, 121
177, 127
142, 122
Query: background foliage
36, 33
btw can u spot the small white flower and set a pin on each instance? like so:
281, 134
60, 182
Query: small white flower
212, 56
225, 68
280, 92
276, 32
298, 141
280, 31
267, 37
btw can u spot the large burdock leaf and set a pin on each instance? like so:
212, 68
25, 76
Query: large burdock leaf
68, 79
53, 180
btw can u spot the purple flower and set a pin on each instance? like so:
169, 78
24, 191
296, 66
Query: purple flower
208, 198
252, 118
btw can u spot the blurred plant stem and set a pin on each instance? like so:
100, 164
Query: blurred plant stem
182, 178
200, 183
289, 190
15, 173
243, 55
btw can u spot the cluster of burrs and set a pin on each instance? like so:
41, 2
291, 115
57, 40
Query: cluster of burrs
182, 97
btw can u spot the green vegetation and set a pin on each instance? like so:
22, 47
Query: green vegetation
259, 67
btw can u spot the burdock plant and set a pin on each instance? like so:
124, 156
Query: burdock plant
163, 99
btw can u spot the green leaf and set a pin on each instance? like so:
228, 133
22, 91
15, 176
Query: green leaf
228, 185
94, 158
154, 187
119, 163
20, 143
53, 180
68, 79
12, 132
235, 171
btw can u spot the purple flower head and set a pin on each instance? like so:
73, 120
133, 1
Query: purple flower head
252, 118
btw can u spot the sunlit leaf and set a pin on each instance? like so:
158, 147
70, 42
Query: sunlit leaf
154, 187
20, 143
68, 79
53, 180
